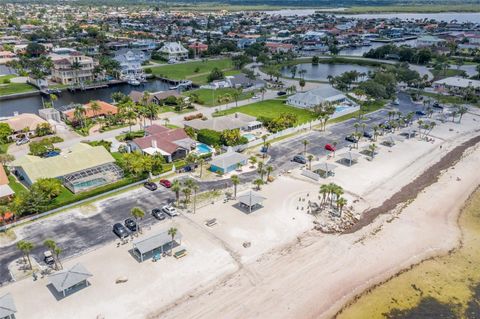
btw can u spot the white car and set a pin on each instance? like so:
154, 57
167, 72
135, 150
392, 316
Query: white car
255, 97
170, 211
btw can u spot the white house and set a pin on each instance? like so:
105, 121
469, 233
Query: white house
309, 99
173, 51
131, 62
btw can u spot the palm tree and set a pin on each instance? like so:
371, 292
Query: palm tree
341, 202
225, 99
51, 245
176, 187
79, 114
371, 148
26, 247
375, 132
310, 159
166, 121
253, 160
236, 96
356, 126
258, 182
95, 107
53, 98
172, 232
305, 143
137, 213
195, 189
263, 90
461, 110
324, 191
57, 251
269, 170
235, 181
152, 110
201, 161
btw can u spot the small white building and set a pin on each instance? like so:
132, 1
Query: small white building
173, 51
455, 84
309, 99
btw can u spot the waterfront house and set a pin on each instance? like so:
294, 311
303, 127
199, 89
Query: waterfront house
74, 68
172, 144
173, 51
131, 62
456, 85
104, 109
198, 48
24, 124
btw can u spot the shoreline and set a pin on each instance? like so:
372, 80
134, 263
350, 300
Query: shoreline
465, 210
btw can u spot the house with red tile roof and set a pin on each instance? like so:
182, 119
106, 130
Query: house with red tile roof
172, 144
103, 110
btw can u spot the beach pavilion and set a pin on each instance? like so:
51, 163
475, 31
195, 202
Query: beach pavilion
391, 140
160, 242
250, 200
324, 169
7, 307
67, 280
349, 157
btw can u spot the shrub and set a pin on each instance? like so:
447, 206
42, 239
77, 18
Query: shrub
209, 137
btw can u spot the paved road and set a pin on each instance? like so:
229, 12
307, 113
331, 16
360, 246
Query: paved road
77, 234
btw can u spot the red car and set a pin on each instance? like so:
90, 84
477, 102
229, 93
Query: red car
330, 148
165, 183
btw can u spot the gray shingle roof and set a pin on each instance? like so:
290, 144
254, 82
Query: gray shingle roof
7, 306
146, 245
228, 159
68, 278
250, 198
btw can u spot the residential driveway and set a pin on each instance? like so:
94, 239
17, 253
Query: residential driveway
77, 233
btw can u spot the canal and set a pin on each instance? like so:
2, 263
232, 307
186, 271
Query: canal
321, 71
33, 103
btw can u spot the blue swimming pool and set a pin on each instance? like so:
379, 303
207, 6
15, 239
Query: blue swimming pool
203, 148
341, 108
249, 136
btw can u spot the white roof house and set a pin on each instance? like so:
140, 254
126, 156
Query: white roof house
315, 97
457, 82
173, 51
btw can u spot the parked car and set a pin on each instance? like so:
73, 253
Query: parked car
396, 102
300, 159
158, 214
130, 224
280, 93
170, 211
150, 186
51, 154
165, 183
330, 147
48, 257
255, 97
368, 134
421, 113
437, 105
120, 230
22, 141
351, 138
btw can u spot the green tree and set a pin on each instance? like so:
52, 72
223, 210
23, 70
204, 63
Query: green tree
5, 132
258, 182
172, 232
137, 213
51, 245
176, 188
26, 247
235, 181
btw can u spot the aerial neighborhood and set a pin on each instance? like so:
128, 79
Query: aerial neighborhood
185, 151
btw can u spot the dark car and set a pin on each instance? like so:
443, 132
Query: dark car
437, 106
280, 93
165, 183
131, 224
368, 134
150, 186
51, 154
421, 113
120, 230
351, 138
158, 214
300, 159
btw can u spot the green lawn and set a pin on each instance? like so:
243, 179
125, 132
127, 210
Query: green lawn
13, 88
270, 109
15, 185
440, 74
182, 71
203, 78
210, 97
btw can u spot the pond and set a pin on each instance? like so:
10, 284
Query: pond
321, 71
33, 103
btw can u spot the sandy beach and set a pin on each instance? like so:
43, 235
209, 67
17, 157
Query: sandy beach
410, 193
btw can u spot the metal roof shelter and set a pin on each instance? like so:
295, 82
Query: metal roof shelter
390, 140
65, 280
325, 169
250, 199
350, 157
7, 307
144, 246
